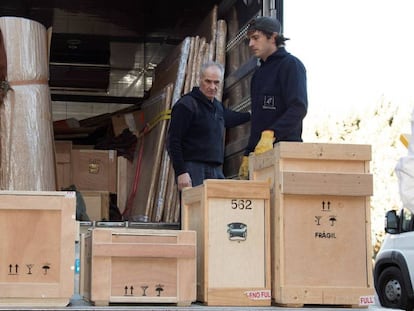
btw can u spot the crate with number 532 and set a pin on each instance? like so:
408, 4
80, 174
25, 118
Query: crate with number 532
232, 221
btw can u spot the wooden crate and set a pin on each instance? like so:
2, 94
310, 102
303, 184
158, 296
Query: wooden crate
320, 211
37, 242
85, 265
139, 266
63, 163
94, 169
232, 221
97, 204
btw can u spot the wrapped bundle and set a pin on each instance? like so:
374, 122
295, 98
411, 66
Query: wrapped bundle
27, 154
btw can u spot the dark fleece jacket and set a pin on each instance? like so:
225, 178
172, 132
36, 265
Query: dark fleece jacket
196, 131
279, 98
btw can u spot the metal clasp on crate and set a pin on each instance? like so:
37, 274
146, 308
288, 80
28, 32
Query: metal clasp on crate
237, 231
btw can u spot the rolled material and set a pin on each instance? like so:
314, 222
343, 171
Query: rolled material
27, 153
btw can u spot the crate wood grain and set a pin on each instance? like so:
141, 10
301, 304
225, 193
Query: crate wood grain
94, 169
140, 266
97, 204
63, 159
37, 245
232, 221
320, 207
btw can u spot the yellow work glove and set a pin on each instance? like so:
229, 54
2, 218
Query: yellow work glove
244, 168
265, 143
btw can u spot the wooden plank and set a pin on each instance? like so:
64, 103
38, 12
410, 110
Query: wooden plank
143, 250
326, 183
122, 184
207, 27
226, 188
33, 302
165, 160
63, 158
153, 146
220, 54
349, 152
187, 83
199, 43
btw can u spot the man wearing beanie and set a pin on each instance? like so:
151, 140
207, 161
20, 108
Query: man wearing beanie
278, 90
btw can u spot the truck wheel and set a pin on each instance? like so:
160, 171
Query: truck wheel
393, 290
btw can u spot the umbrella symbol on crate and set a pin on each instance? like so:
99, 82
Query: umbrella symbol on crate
159, 289
45, 268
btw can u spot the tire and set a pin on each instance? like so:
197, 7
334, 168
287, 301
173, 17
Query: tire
393, 290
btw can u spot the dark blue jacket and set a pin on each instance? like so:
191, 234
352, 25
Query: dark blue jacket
279, 98
196, 131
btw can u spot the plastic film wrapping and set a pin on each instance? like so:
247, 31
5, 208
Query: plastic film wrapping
405, 173
27, 154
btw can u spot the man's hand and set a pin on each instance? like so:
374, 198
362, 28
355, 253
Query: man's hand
265, 143
244, 168
184, 180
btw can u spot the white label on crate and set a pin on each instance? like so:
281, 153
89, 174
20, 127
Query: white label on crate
70, 194
366, 300
258, 294
112, 154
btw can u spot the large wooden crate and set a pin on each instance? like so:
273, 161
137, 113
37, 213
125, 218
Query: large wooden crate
94, 169
320, 211
139, 266
232, 221
37, 243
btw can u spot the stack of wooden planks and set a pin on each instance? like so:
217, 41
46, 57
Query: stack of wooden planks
153, 196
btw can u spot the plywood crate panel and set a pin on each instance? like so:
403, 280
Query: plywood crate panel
63, 163
94, 169
140, 266
37, 243
97, 204
320, 211
231, 218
